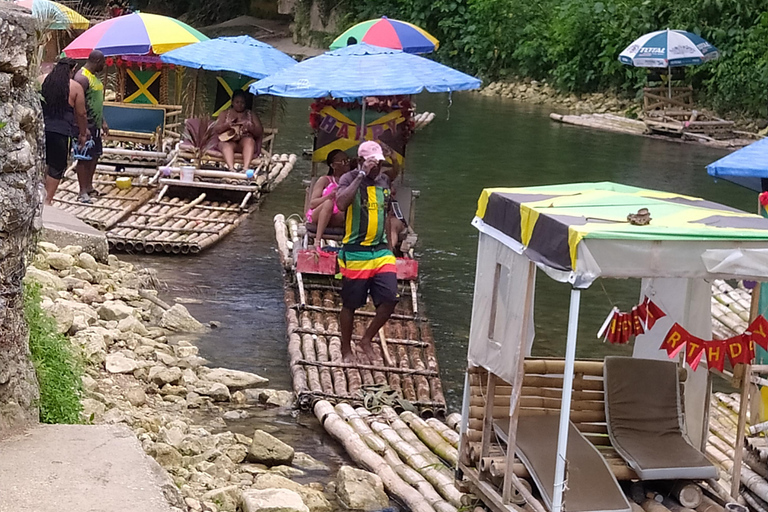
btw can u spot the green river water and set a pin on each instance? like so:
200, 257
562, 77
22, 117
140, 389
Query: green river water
486, 142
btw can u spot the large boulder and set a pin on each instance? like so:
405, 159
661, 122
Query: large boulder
315, 500
272, 500
269, 450
161, 375
234, 379
92, 345
132, 324
63, 315
166, 455
178, 319
44, 279
115, 310
87, 261
59, 260
360, 490
216, 390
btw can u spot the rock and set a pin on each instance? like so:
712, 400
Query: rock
234, 379
132, 324
269, 450
185, 350
171, 436
193, 504
286, 471
59, 260
314, 499
118, 363
178, 319
161, 375
360, 490
226, 499
114, 310
234, 415
44, 279
62, 315
236, 453
191, 362
92, 345
47, 247
277, 397
87, 261
166, 359
308, 463
166, 455
216, 390
136, 396
72, 250
92, 408
240, 438
272, 500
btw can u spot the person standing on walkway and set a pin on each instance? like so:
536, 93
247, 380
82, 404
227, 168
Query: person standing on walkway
94, 101
63, 107
367, 265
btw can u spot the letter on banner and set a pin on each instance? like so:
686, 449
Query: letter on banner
738, 350
693, 351
637, 324
759, 330
716, 355
328, 124
675, 340
654, 313
343, 132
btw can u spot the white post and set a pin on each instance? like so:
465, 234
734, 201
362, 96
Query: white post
669, 69
565, 407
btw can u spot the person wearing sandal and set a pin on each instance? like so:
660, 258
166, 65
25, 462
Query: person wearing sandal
94, 102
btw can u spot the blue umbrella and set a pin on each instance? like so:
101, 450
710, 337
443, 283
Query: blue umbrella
745, 167
363, 70
241, 54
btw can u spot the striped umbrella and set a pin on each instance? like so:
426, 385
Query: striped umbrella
55, 15
134, 34
387, 33
668, 49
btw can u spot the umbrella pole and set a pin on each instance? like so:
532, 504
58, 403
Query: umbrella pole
362, 122
669, 81
565, 407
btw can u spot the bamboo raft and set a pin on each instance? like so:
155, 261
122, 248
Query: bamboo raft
730, 309
405, 360
620, 124
167, 215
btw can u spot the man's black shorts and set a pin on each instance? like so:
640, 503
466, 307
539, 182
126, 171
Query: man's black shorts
97, 149
382, 287
56, 153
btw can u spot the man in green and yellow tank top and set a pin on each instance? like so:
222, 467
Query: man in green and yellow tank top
94, 105
367, 265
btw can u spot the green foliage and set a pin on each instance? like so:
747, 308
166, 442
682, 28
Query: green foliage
575, 43
58, 369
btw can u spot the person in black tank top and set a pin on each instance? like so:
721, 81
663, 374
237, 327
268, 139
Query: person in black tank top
63, 104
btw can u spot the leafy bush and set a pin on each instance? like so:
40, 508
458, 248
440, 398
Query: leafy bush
58, 369
575, 43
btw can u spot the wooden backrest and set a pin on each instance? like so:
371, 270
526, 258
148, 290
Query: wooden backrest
132, 122
658, 98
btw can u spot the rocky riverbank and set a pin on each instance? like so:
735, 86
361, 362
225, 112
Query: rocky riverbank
542, 93
143, 370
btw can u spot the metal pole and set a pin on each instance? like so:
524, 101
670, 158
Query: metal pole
361, 135
669, 69
565, 407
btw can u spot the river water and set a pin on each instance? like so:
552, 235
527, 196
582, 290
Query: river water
473, 143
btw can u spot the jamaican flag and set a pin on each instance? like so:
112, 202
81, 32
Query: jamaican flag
226, 85
338, 129
142, 86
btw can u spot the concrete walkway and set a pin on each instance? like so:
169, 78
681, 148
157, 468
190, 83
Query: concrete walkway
84, 468
62, 228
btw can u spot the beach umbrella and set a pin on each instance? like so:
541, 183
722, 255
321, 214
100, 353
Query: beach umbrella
668, 49
241, 54
134, 34
55, 15
363, 70
395, 34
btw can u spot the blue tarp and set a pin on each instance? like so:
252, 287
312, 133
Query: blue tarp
241, 54
744, 167
364, 70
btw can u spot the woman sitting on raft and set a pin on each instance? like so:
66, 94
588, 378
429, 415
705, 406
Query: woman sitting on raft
322, 203
239, 131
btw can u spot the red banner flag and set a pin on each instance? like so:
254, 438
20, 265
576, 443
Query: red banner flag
715, 355
653, 314
759, 331
738, 350
675, 340
626, 328
693, 350
637, 324
613, 329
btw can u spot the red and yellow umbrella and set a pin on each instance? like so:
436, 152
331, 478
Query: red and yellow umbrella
395, 34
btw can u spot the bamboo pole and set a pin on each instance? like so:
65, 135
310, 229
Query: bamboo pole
298, 374
350, 415
366, 457
431, 438
446, 432
453, 421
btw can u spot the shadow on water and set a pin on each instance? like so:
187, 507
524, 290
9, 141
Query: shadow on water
487, 142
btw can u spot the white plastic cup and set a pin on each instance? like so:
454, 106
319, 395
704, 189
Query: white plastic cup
188, 174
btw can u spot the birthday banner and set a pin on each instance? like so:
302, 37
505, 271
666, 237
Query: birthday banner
619, 327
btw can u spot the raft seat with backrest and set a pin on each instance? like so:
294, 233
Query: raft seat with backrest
143, 124
215, 156
643, 414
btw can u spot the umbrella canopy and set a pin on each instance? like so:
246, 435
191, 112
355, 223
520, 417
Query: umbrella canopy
241, 54
134, 34
668, 49
746, 167
364, 70
395, 34
55, 15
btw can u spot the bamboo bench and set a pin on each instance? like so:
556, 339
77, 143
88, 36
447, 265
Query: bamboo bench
215, 157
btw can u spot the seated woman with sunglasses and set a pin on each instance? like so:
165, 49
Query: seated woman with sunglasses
323, 210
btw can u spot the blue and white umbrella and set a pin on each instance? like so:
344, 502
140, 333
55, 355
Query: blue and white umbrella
668, 49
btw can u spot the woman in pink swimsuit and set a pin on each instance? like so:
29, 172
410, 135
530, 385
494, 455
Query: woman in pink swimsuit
322, 204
